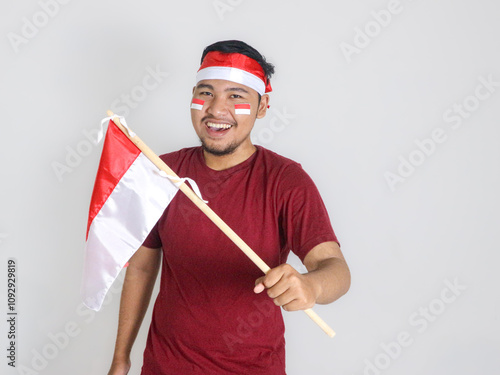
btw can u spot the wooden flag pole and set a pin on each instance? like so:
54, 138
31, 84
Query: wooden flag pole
211, 214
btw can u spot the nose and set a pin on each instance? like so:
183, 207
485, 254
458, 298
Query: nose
217, 107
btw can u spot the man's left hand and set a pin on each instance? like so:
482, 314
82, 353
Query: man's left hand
288, 288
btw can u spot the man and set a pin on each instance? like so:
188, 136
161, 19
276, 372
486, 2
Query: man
212, 315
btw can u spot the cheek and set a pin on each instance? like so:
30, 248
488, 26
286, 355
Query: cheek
196, 116
245, 123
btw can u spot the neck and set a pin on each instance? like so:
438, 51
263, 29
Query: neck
220, 163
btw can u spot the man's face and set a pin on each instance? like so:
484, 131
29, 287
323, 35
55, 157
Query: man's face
220, 130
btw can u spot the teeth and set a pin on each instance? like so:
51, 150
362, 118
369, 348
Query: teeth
218, 126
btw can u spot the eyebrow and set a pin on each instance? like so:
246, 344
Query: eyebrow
239, 89
210, 87
204, 86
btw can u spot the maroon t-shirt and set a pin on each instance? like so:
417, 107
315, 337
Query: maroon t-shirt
207, 319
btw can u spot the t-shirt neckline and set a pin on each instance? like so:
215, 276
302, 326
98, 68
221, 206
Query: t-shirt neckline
244, 164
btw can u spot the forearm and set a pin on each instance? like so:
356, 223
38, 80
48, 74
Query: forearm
331, 279
136, 294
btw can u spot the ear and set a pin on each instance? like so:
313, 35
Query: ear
194, 88
264, 102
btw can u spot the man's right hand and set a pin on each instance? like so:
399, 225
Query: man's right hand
119, 368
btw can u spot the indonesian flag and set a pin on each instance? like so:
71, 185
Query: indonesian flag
242, 109
197, 104
129, 197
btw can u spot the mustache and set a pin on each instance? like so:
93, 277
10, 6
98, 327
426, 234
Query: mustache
226, 121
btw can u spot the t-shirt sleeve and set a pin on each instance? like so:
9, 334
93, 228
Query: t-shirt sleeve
303, 215
153, 240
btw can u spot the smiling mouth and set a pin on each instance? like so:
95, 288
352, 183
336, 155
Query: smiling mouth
218, 127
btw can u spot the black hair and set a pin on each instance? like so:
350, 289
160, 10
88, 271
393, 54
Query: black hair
237, 46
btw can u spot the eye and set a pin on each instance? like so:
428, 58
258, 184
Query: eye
236, 96
205, 93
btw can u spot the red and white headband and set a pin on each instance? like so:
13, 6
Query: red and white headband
234, 67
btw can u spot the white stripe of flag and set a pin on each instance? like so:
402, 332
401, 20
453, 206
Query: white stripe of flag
242, 109
197, 104
128, 199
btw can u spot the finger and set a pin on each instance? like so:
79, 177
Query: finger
297, 301
259, 288
274, 276
259, 285
259, 280
278, 289
285, 299
297, 304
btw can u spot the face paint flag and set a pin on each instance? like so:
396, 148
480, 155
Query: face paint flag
197, 104
242, 109
129, 197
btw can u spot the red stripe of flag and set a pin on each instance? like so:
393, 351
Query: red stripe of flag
242, 106
117, 156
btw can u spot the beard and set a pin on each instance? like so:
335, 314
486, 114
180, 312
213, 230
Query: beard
220, 151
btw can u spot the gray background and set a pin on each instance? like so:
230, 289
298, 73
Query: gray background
350, 121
